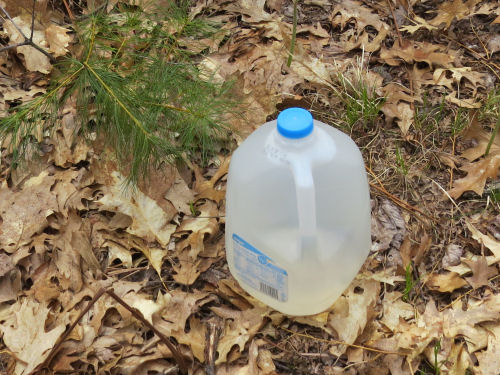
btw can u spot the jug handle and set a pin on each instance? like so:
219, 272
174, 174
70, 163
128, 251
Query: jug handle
306, 206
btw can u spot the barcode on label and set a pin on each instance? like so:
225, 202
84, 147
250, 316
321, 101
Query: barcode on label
269, 290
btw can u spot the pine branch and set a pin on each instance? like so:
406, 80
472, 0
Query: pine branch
140, 87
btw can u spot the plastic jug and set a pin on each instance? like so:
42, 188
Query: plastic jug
297, 213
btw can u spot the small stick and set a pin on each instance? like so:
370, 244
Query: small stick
213, 334
395, 24
136, 313
27, 41
68, 9
66, 334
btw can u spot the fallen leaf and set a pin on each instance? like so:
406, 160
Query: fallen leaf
449, 10
179, 306
365, 21
190, 264
489, 359
413, 51
481, 272
351, 312
394, 309
477, 174
149, 220
445, 282
33, 59
25, 335
415, 253
180, 195
452, 255
418, 24
24, 213
240, 327
58, 39
387, 226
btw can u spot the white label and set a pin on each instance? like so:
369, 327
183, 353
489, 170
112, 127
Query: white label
259, 271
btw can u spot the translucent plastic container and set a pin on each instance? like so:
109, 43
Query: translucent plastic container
297, 213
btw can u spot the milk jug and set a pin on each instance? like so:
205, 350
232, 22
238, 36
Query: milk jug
297, 213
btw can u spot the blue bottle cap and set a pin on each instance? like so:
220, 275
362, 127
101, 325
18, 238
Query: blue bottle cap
295, 123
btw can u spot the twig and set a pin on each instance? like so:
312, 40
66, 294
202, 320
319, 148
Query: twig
484, 61
465, 294
213, 335
27, 41
68, 9
294, 33
62, 338
395, 24
338, 342
32, 20
401, 203
136, 313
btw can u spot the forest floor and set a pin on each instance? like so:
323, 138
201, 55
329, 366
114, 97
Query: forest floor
416, 84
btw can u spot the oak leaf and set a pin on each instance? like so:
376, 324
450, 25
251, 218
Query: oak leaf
481, 272
58, 39
33, 59
449, 10
352, 311
445, 282
351, 11
149, 220
478, 171
25, 334
412, 51
24, 213
489, 359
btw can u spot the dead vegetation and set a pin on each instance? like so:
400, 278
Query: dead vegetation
415, 83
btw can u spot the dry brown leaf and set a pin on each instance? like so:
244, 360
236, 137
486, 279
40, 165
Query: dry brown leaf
177, 308
394, 309
413, 51
481, 272
479, 171
351, 11
387, 226
445, 282
351, 312
452, 255
195, 338
149, 220
490, 243
190, 264
58, 39
25, 334
240, 327
459, 359
418, 24
489, 359
24, 213
457, 74
449, 10
265, 362
414, 253
180, 195
396, 106
33, 59
477, 174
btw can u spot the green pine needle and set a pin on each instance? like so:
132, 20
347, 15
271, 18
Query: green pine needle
136, 82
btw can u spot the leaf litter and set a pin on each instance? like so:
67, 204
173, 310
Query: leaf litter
69, 229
